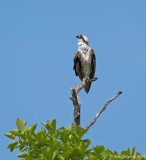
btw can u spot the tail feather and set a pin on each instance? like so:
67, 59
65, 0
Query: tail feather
87, 87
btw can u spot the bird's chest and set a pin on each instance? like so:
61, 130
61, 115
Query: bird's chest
86, 64
85, 59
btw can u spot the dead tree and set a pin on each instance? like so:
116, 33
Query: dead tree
77, 105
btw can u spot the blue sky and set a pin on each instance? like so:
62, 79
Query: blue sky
37, 46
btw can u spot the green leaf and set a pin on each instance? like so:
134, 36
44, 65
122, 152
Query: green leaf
80, 132
14, 131
32, 128
71, 127
12, 145
50, 129
44, 124
25, 123
10, 135
21, 141
98, 149
84, 131
132, 151
115, 153
31, 137
54, 154
54, 124
137, 155
84, 145
49, 123
107, 153
128, 151
43, 150
20, 125
124, 153
22, 145
64, 137
22, 155
24, 149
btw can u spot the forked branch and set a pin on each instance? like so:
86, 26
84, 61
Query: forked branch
76, 101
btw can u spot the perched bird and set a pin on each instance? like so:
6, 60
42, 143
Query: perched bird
84, 61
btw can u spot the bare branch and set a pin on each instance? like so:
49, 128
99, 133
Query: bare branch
76, 101
103, 108
78, 87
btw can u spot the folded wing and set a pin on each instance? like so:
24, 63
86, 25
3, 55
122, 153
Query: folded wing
92, 70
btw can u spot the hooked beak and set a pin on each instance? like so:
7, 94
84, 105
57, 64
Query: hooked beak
77, 36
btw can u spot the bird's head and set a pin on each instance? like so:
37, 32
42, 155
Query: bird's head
83, 38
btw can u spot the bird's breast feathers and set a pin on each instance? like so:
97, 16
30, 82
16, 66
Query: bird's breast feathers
86, 63
86, 57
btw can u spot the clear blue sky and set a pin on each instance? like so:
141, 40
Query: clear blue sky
37, 46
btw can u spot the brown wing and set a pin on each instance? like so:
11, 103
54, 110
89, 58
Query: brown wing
92, 73
93, 64
77, 65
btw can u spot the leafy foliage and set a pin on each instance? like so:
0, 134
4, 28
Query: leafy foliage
60, 144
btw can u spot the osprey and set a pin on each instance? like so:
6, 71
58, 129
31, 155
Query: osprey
84, 61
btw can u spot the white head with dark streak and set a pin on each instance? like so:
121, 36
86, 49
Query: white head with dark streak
83, 38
